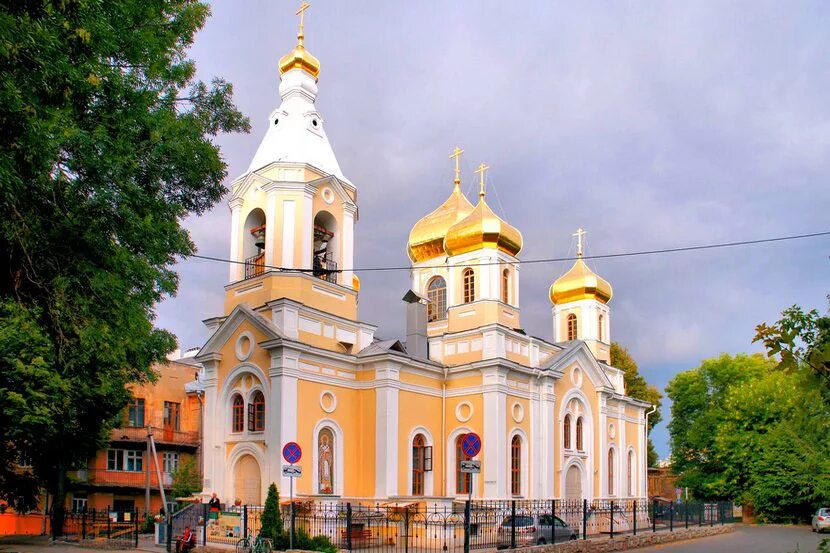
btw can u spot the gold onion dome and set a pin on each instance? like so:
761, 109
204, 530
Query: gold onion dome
426, 239
299, 57
580, 283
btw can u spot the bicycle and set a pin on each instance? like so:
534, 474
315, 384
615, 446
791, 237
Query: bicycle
254, 545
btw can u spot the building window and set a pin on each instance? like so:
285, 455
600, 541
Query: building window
238, 414
135, 412
579, 444
566, 431
256, 412
169, 462
630, 474
599, 328
469, 279
172, 415
78, 503
505, 286
516, 466
462, 479
421, 463
610, 472
571, 327
127, 460
437, 296
325, 461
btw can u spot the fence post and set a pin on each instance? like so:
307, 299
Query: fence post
168, 528
635, 517
406, 529
109, 523
700, 514
244, 521
467, 527
513, 524
553, 520
293, 515
671, 516
654, 516
686, 513
205, 514
349, 526
135, 515
83, 524
612, 519
711, 519
584, 519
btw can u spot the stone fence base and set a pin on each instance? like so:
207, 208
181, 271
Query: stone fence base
624, 543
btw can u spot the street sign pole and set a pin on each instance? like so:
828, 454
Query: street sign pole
292, 453
291, 512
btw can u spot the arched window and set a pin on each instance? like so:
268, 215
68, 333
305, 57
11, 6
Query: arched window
437, 296
610, 471
238, 414
256, 413
566, 431
505, 286
571, 327
516, 466
599, 328
579, 443
418, 464
325, 461
469, 279
630, 473
462, 479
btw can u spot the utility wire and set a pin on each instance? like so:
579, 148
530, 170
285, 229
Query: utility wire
537, 261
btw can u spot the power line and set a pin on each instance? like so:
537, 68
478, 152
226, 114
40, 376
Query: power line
538, 261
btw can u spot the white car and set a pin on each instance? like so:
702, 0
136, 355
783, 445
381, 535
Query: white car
821, 520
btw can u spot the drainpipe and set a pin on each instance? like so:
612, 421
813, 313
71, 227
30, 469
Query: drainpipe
444, 434
200, 453
645, 447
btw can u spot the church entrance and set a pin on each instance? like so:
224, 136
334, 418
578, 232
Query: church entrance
247, 483
573, 483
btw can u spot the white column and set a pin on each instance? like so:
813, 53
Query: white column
271, 228
347, 247
288, 227
235, 268
515, 297
494, 440
212, 426
386, 431
307, 233
281, 422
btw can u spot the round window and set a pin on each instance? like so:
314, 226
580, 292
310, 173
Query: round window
314, 122
276, 121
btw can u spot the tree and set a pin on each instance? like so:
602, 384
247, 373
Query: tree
186, 479
271, 520
637, 387
108, 144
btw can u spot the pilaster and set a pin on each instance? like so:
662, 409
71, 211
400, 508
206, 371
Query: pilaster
494, 440
387, 376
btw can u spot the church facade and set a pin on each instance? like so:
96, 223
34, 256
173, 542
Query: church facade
382, 420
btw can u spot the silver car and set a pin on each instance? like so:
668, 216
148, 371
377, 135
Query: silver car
535, 530
821, 520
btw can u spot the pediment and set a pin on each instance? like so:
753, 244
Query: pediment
223, 333
580, 353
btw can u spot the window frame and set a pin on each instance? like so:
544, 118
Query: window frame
516, 465
505, 286
436, 299
599, 327
256, 412
237, 413
566, 431
136, 413
171, 415
572, 326
468, 279
418, 465
580, 438
610, 471
169, 460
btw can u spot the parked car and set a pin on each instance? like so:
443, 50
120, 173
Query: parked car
535, 530
821, 520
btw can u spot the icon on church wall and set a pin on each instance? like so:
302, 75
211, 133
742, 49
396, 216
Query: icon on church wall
325, 456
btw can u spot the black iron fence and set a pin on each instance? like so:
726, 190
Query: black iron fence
119, 529
453, 527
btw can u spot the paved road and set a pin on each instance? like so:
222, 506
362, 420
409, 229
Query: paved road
757, 539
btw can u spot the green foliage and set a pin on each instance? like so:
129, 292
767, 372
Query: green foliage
304, 542
108, 144
186, 480
271, 520
637, 387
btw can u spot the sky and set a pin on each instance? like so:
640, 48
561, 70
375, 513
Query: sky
649, 124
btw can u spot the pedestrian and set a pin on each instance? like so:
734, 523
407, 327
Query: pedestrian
186, 542
214, 504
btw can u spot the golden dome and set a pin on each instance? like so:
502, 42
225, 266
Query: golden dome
426, 239
355, 283
300, 58
580, 283
482, 228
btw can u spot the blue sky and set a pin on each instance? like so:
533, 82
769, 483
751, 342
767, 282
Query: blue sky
650, 124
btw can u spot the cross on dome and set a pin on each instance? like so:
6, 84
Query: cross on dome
482, 169
579, 234
301, 12
457, 155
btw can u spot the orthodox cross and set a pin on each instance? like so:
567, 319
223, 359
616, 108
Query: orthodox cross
481, 170
301, 12
457, 155
579, 234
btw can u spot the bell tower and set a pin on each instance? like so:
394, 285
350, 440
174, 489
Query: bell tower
293, 211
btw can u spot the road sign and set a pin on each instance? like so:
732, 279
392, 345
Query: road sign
292, 471
471, 467
471, 444
291, 452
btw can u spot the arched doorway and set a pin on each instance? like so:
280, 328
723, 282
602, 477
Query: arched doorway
573, 483
247, 482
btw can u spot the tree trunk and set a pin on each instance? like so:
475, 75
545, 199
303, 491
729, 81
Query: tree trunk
59, 500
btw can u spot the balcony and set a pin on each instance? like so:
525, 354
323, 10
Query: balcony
325, 269
254, 265
162, 436
103, 478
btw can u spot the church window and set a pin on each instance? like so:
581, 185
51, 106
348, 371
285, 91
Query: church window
325, 461
516, 466
571, 327
505, 286
566, 431
610, 471
238, 412
579, 444
437, 296
469, 279
630, 473
599, 328
421, 463
462, 479
256, 412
